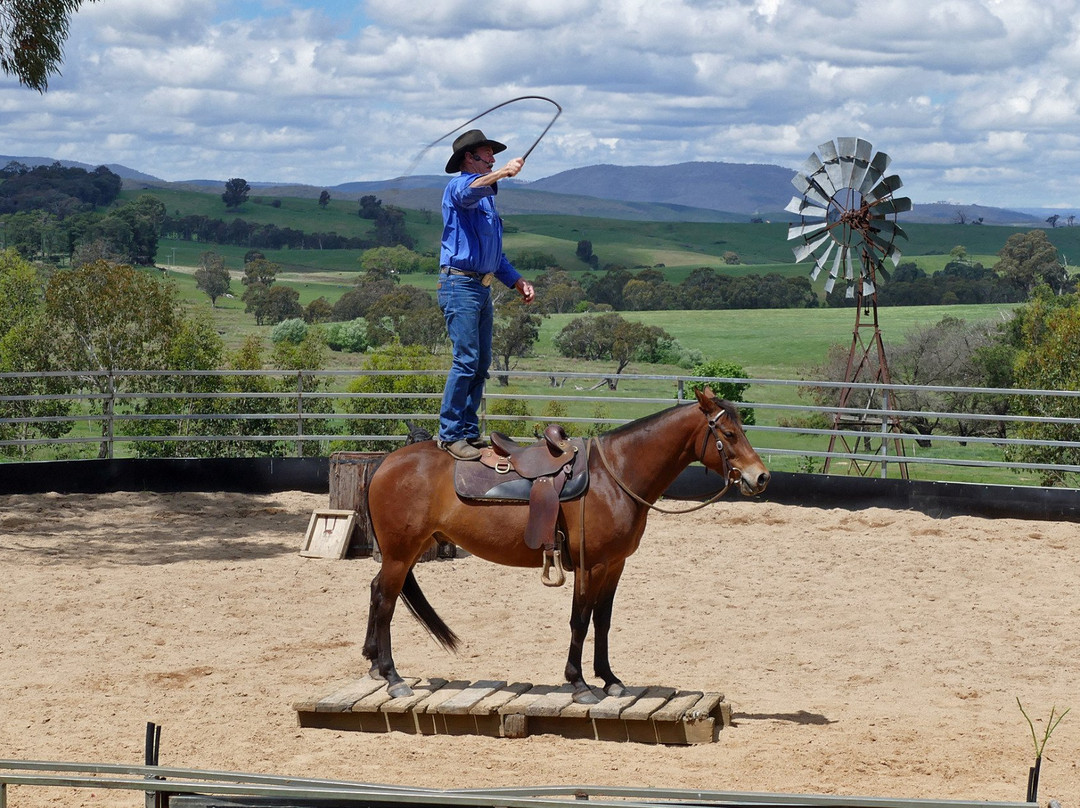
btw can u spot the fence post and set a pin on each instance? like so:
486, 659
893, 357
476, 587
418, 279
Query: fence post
885, 434
300, 413
110, 433
681, 392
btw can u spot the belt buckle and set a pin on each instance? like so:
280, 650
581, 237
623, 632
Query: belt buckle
485, 279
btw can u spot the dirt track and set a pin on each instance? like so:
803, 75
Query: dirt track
873, 652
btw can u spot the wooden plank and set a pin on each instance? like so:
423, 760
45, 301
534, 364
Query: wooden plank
500, 697
677, 705
705, 706
373, 702
345, 697
520, 703
421, 692
611, 706
551, 704
463, 702
649, 702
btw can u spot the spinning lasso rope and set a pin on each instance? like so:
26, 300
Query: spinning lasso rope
420, 156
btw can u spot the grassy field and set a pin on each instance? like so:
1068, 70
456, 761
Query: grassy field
679, 247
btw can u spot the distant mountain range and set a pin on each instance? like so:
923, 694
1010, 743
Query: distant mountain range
687, 192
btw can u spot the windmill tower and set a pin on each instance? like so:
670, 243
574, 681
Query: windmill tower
847, 212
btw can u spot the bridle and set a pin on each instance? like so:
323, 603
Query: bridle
731, 474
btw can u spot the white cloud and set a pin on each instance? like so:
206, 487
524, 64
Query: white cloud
957, 91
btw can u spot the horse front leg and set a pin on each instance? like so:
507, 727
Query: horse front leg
580, 614
605, 602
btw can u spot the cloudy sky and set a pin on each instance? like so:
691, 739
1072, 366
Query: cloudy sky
976, 101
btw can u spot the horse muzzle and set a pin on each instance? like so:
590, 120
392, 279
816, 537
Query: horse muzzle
749, 485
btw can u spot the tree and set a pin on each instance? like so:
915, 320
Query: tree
236, 192
212, 277
108, 318
1053, 220
324, 199
607, 336
516, 331
369, 206
585, 253
557, 291
32, 38
393, 356
1049, 328
1029, 259
390, 228
26, 341
732, 391
389, 262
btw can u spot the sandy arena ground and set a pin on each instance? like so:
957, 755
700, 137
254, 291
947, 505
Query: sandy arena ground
871, 652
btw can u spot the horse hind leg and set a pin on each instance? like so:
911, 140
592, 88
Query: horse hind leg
371, 645
377, 647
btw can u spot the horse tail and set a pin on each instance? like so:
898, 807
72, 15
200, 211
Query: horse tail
417, 603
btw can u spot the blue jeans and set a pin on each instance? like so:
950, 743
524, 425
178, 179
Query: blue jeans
466, 306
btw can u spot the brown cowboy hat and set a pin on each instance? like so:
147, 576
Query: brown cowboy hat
473, 139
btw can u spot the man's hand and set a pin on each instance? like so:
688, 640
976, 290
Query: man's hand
526, 289
512, 168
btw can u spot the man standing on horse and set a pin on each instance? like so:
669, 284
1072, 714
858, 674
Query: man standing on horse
470, 257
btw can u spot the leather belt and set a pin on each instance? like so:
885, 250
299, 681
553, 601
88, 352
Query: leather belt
485, 278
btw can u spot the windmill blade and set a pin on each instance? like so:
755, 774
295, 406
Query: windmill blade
874, 172
829, 284
880, 270
863, 152
824, 182
831, 159
867, 288
849, 293
802, 207
803, 250
812, 164
894, 205
845, 146
834, 271
849, 267
810, 190
891, 229
819, 264
797, 230
884, 188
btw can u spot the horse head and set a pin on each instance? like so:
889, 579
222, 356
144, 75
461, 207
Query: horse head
732, 455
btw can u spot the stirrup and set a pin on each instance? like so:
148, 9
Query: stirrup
553, 559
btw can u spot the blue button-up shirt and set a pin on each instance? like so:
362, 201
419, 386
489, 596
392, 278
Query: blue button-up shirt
472, 230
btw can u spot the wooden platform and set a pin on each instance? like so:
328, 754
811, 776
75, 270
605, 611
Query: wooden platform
661, 715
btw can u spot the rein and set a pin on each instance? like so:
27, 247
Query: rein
729, 471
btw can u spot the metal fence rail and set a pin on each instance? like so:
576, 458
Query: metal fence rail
306, 413
179, 781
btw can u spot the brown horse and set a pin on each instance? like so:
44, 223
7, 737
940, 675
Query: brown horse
412, 502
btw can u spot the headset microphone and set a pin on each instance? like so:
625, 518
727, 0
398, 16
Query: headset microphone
488, 163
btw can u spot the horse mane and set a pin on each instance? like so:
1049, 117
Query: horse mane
730, 409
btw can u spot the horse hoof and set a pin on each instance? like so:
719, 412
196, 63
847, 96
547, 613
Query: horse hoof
615, 689
398, 691
585, 696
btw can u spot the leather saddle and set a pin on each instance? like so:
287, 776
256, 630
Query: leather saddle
543, 474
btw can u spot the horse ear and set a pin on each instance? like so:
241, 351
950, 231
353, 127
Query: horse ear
706, 398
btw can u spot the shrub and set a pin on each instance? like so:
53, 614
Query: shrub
350, 336
732, 391
293, 330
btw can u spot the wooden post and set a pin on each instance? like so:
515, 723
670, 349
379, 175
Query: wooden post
349, 476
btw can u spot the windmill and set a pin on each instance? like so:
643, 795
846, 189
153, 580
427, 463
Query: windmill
847, 211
